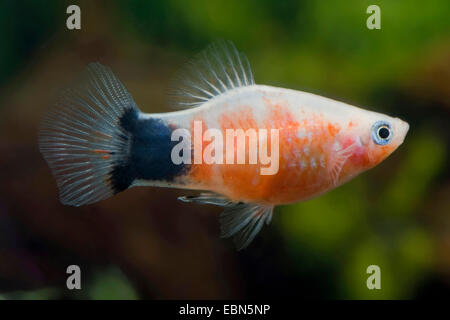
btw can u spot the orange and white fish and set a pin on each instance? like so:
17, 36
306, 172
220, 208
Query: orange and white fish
98, 143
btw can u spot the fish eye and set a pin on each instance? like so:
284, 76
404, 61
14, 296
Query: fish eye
382, 132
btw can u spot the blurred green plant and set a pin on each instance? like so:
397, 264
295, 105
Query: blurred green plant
105, 284
40, 294
323, 46
24, 25
111, 284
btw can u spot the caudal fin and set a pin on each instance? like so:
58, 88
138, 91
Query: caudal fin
85, 141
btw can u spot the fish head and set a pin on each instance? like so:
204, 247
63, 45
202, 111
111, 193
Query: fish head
368, 139
375, 136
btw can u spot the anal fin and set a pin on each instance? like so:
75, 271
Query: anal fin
239, 220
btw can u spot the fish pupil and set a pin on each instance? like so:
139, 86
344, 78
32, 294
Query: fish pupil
383, 133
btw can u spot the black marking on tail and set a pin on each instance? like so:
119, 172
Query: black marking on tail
149, 155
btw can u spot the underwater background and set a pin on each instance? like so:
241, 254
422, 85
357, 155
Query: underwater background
143, 243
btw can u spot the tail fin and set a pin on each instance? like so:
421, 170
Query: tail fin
85, 142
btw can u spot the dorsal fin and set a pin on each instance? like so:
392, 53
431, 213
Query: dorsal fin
215, 70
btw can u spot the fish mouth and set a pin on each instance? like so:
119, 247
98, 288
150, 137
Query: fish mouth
406, 124
405, 127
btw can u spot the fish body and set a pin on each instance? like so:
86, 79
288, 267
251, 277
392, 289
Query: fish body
294, 145
312, 132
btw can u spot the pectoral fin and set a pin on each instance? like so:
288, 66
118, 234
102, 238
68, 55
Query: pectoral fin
239, 220
339, 158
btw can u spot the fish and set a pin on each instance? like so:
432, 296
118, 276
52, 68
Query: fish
97, 142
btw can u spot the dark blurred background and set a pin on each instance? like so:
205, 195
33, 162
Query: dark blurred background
144, 243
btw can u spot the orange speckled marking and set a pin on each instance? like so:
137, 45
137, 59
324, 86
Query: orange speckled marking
303, 159
100, 151
333, 129
241, 181
200, 173
244, 182
106, 153
293, 181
